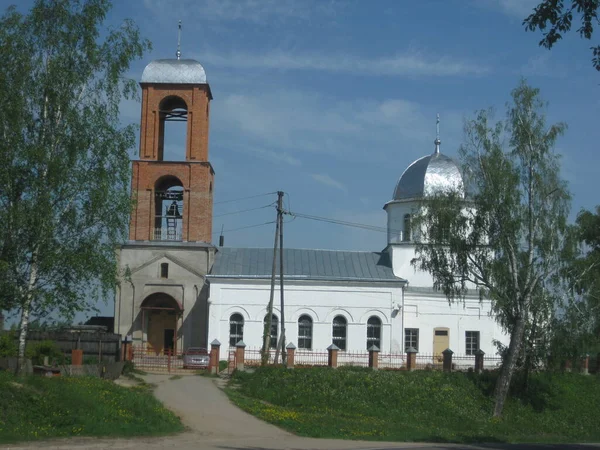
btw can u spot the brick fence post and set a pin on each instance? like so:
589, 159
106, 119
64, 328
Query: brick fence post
291, 354
374, 357
240, 354
411, 359
213, 363
76, 357
585, 365
479, 354
332, 355
568, 365
447, 362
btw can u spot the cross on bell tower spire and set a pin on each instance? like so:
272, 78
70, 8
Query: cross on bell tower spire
178, 53
437, 135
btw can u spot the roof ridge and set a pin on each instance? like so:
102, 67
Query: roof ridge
307, 249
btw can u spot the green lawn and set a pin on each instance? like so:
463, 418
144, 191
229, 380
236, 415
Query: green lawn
36, 407
353, 403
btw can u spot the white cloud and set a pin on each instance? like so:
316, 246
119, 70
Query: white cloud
515, 8
254, 11
540, 65
402, 64
282, 124
325, 179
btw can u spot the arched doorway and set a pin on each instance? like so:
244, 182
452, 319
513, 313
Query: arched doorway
160, 322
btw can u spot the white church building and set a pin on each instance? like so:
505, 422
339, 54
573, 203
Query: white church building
179, 290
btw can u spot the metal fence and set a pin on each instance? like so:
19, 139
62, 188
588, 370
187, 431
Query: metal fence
393, 361
165, 361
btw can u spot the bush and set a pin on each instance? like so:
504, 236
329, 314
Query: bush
8, 345
37, 351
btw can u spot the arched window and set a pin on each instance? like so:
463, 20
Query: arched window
236, 329
172, 134
407, 234
340, 331
305, 327
374, 332
274, 330
168, 218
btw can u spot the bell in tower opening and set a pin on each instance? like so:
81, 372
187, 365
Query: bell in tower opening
168, 221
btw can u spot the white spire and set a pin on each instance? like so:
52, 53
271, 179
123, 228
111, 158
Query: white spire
179, 42
437, 135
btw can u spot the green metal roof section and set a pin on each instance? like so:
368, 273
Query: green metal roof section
304, 264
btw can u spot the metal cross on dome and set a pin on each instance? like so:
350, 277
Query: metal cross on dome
178, 53
437, 135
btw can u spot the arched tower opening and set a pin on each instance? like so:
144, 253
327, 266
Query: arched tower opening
168, 200
173, 129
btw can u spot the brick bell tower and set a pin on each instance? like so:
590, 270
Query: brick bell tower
173, 199
162, 305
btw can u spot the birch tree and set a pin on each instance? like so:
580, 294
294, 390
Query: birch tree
64, 157
506, 239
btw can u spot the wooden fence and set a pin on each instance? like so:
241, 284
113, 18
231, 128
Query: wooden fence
97, 344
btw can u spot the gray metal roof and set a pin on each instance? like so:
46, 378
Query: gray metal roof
429, 175
303, 264
174, 71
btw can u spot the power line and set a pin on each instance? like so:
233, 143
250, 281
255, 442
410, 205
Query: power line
339, 222
244, 198
244, 210
246, 227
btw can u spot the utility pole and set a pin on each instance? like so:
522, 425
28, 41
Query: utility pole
281, 343
269, 321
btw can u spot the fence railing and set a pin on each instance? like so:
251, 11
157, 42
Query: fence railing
162, 361
394, 361
165, 234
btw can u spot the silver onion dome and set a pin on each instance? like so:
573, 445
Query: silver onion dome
429, 175
174, 71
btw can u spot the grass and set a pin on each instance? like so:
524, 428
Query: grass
351, 403
35, 407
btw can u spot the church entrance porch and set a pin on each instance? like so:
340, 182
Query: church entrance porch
161, 314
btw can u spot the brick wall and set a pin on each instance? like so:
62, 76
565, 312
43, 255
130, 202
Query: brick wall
195, 174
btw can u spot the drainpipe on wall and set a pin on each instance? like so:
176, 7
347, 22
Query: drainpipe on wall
402, 318
133, 313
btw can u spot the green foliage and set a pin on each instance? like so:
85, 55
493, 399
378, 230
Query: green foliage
64, 161
35, 407
557, 18
420, 406
37, 350
508, 240
578, 329
8, 345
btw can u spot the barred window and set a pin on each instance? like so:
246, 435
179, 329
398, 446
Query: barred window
472, 342
406, 236
374, 332
274, 330
411, 338
236, 329
340, 331
305, 329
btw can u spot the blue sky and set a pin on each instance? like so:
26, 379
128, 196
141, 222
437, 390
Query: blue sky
330, 100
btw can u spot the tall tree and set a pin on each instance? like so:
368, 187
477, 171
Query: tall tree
506, 238
557, 17
64, 157
582, 314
